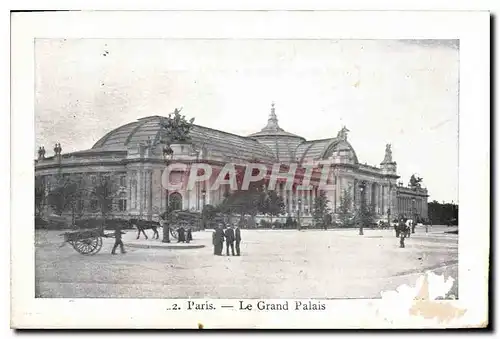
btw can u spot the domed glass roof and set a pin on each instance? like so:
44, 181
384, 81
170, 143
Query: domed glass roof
272, 127
271, 144
215, 142
282, 143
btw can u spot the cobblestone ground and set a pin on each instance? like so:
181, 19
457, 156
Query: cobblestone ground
274, 264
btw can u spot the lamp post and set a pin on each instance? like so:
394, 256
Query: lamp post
167, 155
203, 196
362, 187
389, 204
414, 215
399, 216
299, 202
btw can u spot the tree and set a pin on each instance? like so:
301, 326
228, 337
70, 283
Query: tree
321, 208
344, 210
443, 213
65, 193
104, 191
242, 202
366, 216
272, 205
40, 196
208, 214
62, 195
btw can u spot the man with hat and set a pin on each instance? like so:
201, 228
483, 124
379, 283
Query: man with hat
229, 234
218, 240
118, 240
237, 239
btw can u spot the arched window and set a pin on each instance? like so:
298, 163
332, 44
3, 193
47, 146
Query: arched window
175, 201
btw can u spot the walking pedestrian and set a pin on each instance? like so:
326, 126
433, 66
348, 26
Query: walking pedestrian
237, 238
118, 240
189, 235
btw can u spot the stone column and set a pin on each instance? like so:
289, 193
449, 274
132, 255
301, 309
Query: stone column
299, 196
313, 197
147, 191
382, 199
338, 193
353, 196
311, 205
157, 191
130, 187
138, 191
289, 201
285, 198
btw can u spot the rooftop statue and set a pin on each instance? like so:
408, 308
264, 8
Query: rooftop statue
415, 182
41, 152
175, 128
343, 133
388, 154
57, 149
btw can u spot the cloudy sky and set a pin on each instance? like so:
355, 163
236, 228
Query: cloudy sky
385, 91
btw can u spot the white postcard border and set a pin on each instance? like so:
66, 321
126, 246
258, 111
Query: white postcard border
472, 28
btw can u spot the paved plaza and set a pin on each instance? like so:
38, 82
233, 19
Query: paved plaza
274, 264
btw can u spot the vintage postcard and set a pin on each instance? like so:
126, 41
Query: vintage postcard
250, 169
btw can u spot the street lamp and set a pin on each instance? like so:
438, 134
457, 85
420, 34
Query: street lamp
299, 202
362, 187
414, 215
203, 212
399, 216
203, 196
168, 153
389, 204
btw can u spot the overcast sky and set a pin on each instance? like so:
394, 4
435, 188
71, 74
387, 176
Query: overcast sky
385, 91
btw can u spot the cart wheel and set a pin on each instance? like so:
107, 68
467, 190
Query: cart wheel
98, 247
88, 245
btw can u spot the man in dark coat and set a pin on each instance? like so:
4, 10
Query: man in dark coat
229, 234
181, 234
189, 235
214, 242
118, 240
237, 238
218, 240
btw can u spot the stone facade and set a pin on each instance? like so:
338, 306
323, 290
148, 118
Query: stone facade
133, 154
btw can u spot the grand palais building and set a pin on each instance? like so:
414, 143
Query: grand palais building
132, 154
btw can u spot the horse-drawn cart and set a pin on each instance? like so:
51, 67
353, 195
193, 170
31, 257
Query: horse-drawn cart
85, 241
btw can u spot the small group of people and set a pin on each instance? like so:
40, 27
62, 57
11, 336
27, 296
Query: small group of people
404, 227
231, 235
183, 235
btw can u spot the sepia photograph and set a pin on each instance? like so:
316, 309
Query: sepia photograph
249, 174
240, 126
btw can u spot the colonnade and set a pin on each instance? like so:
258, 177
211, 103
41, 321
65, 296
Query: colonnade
146, 195
409, 205
291, 200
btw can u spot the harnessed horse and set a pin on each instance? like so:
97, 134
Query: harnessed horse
142, 225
